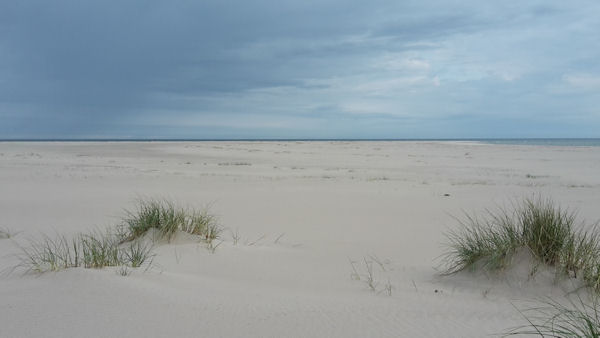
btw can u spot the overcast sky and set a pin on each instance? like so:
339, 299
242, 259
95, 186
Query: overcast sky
299, 69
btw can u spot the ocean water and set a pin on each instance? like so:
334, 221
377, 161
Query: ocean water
567, 142
570, 142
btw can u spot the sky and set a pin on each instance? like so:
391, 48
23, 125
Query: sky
299, 69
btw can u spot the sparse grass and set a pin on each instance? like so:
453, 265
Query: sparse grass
124, 247
213, 231
256, 241
368, 277
538, 225
554, 319
354, 275
278, 238
138, 253
197, 223
387, 288
93, 250
235, 236
51, 254
123, 270
212, 247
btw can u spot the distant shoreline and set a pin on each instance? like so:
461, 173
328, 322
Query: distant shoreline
583, 142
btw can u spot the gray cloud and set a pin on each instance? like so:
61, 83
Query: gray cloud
303, 69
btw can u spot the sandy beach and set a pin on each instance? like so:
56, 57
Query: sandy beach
301, 222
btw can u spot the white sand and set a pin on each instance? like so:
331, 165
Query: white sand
332, 201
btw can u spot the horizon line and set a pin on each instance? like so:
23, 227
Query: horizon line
98, 139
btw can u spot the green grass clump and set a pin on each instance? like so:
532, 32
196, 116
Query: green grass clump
488, 243
93, 250
553, 319
98, 250
538, 225
153, 214
546, 229
167, 219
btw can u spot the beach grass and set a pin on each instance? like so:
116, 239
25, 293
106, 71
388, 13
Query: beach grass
578, 319
50, 254
546, 229
123, 246
98, 250
201, 223
167, 219
138, 253
153, 214
538, 225
486, 242
92, 250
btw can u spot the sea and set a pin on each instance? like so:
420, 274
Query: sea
567, 142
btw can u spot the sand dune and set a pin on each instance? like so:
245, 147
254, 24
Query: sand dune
303, 210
